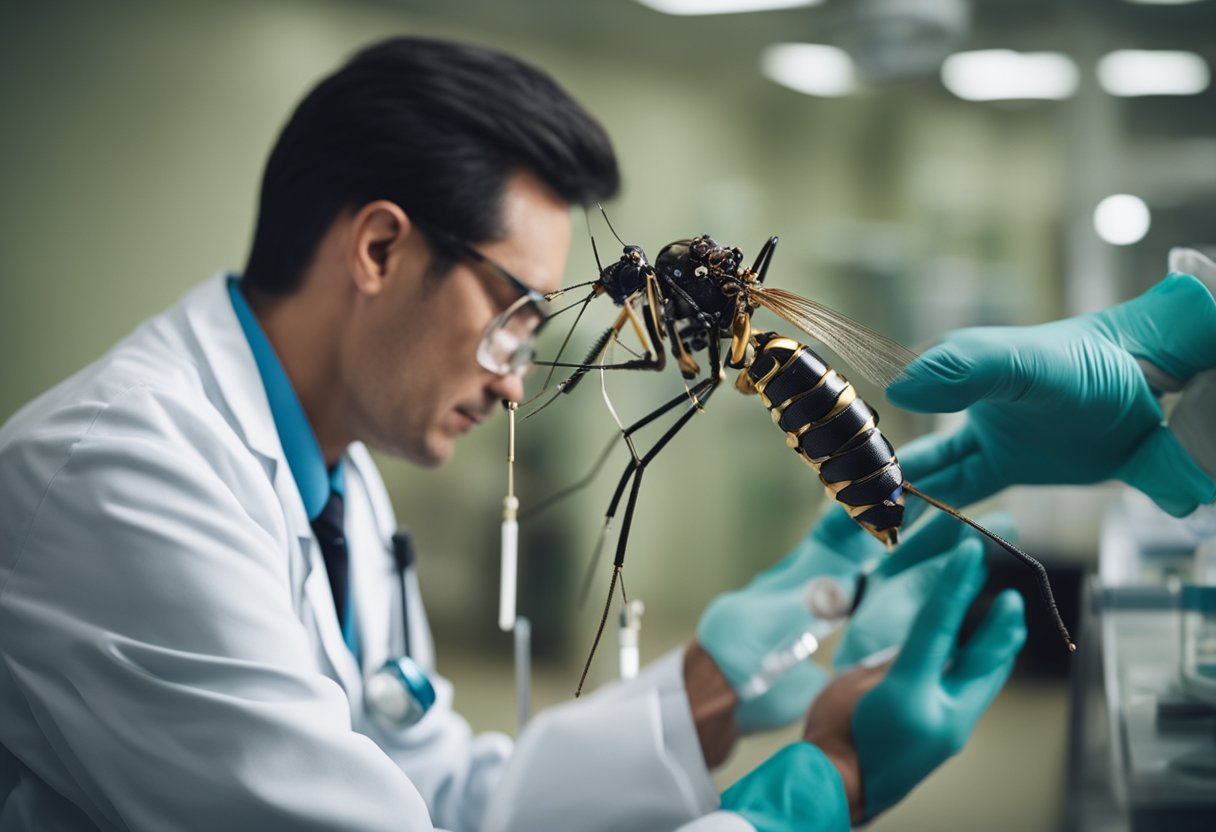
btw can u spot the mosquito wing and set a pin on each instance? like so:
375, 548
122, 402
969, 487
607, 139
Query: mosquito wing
876, 357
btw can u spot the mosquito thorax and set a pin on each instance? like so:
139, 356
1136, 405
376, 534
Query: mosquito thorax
626, 276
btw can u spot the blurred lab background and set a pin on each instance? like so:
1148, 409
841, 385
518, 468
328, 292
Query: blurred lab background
927, 164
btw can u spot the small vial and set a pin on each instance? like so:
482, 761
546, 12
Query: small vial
627, 638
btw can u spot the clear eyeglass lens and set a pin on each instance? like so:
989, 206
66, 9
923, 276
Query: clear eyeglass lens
506, 346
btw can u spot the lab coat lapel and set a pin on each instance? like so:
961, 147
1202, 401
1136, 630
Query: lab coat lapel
226, 351
320, 600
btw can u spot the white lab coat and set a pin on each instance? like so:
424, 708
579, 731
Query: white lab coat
171, 658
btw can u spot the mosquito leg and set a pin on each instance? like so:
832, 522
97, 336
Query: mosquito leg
635, 463
635, 469
646, 362
598, 633
626, 433
1040, 572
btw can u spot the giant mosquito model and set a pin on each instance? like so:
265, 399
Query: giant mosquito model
698, 294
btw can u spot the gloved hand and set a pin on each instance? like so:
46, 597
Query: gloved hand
898, 587
915, 718
925, 709
1064, 402
738, 629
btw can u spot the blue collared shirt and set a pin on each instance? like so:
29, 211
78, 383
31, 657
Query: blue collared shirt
296, 435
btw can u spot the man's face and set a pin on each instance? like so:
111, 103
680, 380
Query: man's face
411, 360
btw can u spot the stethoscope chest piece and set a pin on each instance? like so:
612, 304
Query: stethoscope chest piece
399, 693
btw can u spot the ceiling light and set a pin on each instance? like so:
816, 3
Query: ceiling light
811, 68
1001, 74
1143, 72
1122, 219
692, 7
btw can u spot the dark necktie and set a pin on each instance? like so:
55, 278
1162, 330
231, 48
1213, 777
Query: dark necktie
328, 527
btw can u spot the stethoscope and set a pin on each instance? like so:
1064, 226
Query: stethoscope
400, 693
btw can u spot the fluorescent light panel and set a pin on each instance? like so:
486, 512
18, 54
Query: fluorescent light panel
1122, 219
810, 68
694, 7
1142, 72
1002, 74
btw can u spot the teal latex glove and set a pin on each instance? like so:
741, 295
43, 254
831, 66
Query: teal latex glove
925, 708
902, 582
795, 789
1064, 402
740, 628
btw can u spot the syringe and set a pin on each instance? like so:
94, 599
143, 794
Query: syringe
829, 601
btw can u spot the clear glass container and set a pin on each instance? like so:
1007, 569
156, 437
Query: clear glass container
1199, 641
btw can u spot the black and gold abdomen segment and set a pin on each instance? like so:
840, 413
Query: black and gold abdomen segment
833, 430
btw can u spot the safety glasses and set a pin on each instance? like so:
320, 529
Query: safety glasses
507, 345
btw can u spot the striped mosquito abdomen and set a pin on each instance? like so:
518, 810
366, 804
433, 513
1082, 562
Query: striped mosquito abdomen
833, 430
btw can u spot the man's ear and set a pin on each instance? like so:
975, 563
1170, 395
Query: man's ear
377, 243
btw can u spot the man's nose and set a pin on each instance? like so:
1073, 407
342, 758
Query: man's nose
509, 387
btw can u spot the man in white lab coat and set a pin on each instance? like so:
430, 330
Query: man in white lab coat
196, 579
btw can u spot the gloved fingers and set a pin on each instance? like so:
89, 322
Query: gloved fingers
937, 534
932, 537
935, 452
888, 609
966, 366
897, 589
1162, 469
950, 468
1173, 325
932, 640
994, 643
840, 533
973, 696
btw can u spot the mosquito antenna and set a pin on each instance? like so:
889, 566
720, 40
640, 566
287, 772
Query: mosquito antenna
610, 228
575, 377
590, 236
557, 293
592, 361
1040, 571
556, 394
569, 333
766, 256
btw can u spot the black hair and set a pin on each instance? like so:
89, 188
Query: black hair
434, 126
